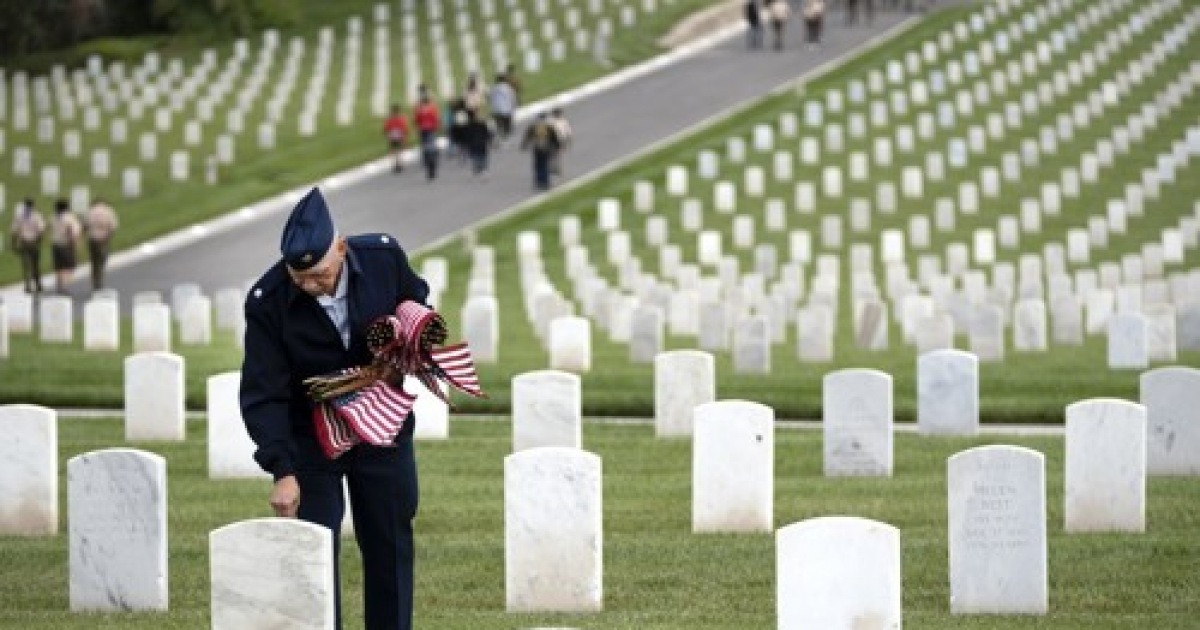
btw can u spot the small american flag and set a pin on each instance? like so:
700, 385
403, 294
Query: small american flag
375, 413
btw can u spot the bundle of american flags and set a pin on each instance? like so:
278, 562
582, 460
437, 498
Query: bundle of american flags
368, 403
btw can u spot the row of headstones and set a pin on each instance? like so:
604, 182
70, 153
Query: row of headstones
545, 506
1135, 338
515, 15
1149, 264
1079, 242
554, 548
224, 152
1133, 273
117, 497
1146, 268
783, 163
737, 144
920, 89
996, 495
553, 526
997, 498
154, 411
152, 319
1169, 248
547, 408
149, 83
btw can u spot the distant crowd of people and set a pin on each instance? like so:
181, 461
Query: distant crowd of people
775, 14
66, 230
476, 123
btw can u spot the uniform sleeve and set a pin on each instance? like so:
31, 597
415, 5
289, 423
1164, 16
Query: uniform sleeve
265, 394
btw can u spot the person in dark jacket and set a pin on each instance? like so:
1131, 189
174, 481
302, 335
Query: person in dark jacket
754, 27
542, 141
306, 316
477, 141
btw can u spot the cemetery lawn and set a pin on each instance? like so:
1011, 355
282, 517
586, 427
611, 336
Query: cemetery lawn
1025, 388
167, 205
64, 375
657, 574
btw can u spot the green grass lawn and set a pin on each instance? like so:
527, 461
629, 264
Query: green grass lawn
1025, 387
64, 375
657, 574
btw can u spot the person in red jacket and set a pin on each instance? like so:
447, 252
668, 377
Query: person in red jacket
396, 130
428, 122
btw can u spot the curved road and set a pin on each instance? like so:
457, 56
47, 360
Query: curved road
609, 126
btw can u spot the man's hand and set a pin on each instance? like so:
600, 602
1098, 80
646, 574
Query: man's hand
285, 497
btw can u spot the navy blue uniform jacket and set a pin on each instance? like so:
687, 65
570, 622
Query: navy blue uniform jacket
290, 338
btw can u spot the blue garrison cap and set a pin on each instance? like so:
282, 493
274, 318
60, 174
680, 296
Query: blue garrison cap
308, 233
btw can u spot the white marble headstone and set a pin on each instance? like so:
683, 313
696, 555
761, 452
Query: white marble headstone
547, 410
683, 379
751, 346
997, 529
814, 333
117, 504
646, 334
481, 327
272, 573
431, 412
1105, 480
948, 393
230, 449
553, 531
228, 303
1171, 396
838, 572
1029, 326
19, 312
154, 397
571, 344
195, 324
56, 319
151, 328
733, 453
857, 423
28, 471
1128, 341
101, 325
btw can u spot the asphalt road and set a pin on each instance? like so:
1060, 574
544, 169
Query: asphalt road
609, 126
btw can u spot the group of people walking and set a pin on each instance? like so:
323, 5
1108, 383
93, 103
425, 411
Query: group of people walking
776, 14
472, 133
29, 229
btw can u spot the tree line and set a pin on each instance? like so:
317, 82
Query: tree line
37, 26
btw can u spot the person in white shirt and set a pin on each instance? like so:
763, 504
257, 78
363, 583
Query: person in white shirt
562, 128
100, 223
503, 102
65, 231
26, 232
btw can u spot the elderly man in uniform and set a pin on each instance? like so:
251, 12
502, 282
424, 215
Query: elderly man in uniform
306, 317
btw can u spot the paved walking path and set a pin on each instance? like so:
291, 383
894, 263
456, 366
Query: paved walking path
610, 125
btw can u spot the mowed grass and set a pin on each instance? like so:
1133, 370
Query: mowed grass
657, 574
1025, 387
65, 375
